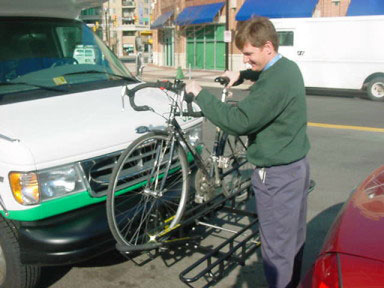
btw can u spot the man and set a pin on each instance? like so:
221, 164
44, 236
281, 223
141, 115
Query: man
273, 116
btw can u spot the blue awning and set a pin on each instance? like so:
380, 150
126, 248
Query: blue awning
365, 7
199, 14
160, 21
276, 9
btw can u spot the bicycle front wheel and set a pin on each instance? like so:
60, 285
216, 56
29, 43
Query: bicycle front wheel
148, 191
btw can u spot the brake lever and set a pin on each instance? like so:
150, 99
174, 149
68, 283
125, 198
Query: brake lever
123, 94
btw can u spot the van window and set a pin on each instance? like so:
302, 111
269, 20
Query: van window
38, 53
286, 38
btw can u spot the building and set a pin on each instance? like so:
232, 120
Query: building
120, 22
197, 33
179, 38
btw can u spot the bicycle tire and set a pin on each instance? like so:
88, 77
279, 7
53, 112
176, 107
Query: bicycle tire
142, 217
234, 149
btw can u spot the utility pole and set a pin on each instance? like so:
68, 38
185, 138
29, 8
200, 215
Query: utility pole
108, 22
226, 29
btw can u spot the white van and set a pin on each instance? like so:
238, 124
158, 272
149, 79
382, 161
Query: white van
86, 54
336, 52
62, 128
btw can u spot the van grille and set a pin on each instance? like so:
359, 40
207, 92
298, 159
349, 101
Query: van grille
98, 170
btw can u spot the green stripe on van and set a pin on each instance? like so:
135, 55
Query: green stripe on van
53, 207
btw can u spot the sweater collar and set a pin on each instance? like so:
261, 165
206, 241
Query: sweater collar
272, 61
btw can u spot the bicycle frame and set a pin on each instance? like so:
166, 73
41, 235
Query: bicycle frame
176, 131
177, 134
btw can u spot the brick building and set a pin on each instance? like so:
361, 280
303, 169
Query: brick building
190, 33
119, 22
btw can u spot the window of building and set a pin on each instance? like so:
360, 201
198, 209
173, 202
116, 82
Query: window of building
129, 33
206, 47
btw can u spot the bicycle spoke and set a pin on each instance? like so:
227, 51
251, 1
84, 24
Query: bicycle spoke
138, 216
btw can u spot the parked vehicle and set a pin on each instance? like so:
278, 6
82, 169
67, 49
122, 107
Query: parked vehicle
336, 52
353, 253
61, 130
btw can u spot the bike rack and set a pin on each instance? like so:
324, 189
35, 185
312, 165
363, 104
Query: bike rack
234, 250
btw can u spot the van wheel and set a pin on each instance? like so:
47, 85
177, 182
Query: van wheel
375, 89
13, 274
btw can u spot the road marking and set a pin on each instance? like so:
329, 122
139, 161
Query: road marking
334, 126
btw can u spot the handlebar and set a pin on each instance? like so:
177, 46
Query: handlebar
176, 87
223, 80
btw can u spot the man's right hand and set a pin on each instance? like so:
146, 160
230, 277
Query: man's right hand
233, 77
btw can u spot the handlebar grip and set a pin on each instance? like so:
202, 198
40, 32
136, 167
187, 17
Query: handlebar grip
190, 112
131, 94
223, 80
138, 108
189, 97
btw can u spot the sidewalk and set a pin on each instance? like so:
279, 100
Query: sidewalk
153, 73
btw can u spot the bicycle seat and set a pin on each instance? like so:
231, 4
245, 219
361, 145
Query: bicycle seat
222, 80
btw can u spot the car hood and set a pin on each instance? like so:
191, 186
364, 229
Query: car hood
63, 129
359, 228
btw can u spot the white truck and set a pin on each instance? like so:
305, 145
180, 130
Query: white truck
62, 128
336, 52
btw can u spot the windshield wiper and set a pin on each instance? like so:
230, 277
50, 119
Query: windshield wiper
34, 85
101, 72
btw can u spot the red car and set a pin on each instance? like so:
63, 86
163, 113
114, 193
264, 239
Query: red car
353, 252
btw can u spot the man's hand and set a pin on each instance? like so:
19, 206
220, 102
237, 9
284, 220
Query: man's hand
233, 77
192, 87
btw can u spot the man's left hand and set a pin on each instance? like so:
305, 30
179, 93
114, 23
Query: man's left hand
192, 87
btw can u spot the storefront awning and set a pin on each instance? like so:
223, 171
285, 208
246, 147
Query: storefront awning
199, 14
160, 21
365, 7
276, 9
146, 32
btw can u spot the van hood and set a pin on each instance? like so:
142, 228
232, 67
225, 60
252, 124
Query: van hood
63, 129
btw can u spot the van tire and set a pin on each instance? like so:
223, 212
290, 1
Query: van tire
375, 89
13, 274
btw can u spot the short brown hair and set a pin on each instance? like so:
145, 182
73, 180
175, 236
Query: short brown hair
257, 31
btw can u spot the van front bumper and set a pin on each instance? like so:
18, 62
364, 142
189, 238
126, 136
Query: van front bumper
66, 239
69, 238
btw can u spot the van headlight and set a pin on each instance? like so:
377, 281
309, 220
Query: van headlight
33, 187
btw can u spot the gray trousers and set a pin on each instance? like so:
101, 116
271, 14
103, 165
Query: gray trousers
281, 202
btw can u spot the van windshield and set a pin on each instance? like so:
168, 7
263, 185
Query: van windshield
55, 55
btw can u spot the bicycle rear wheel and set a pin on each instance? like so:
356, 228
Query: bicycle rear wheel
237, 174
148, 191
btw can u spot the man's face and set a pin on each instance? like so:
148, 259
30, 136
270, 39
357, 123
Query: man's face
258, 57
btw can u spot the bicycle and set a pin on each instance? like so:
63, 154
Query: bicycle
141, 218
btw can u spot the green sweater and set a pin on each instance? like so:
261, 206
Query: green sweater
273, 115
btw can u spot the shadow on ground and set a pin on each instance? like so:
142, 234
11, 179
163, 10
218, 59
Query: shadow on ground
50, 275
252, 275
